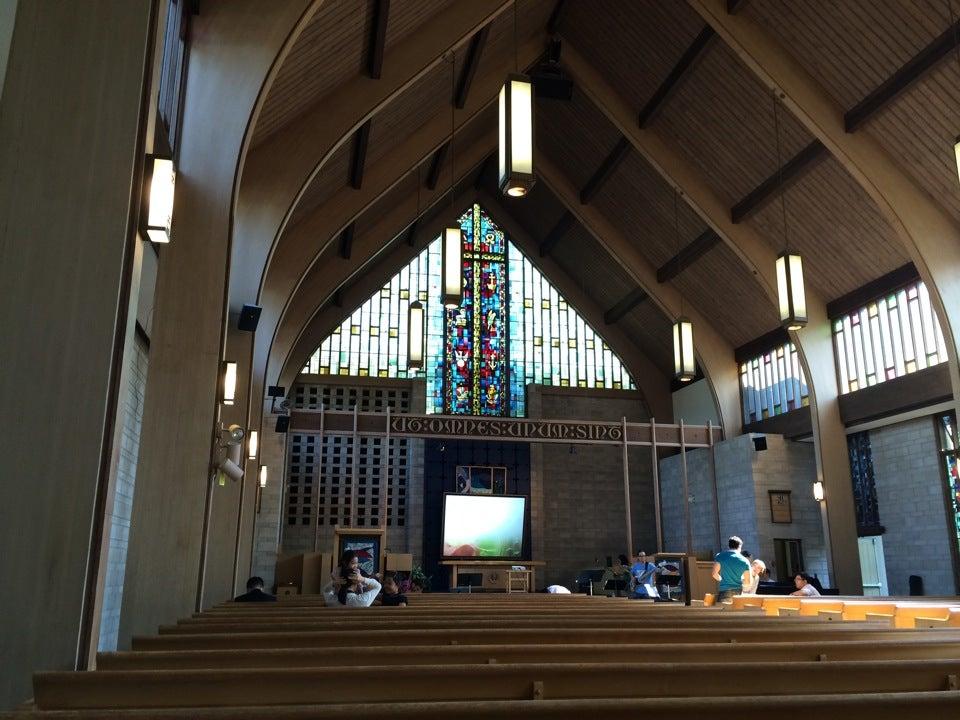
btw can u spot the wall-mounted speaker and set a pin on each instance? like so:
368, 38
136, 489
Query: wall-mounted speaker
283, 423
276, 391
249, 317
760, 443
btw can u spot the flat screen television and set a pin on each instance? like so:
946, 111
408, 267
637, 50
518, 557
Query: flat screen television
483, 526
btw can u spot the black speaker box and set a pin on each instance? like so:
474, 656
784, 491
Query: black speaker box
276, 391
760, 443
283, 423
249, 317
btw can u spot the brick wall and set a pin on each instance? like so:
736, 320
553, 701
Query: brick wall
577, 500
118, 516
266, 531
912, 505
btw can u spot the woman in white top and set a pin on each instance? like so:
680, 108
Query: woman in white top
805, 588
353, 591
348, 587
751, 578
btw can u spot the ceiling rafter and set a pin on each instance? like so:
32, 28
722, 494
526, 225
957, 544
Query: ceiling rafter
561, 228
346, 242
378, 38
688, 255
903, 78
684, 65
625, 305
780, 181
470, 66
360, 140
436, 165
610, 163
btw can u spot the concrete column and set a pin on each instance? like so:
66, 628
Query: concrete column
71, 130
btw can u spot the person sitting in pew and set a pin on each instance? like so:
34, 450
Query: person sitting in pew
751, 579
349, 586
392, 597
255, 592
805, 587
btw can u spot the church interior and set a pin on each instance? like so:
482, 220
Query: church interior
554, 315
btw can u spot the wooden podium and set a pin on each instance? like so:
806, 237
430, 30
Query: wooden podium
498, 575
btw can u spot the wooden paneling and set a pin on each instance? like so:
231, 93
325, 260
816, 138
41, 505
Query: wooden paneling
920, 389
406, 15
844, 240
334, 175
851, 47
330, 51
637, 43
722, 121
653, 332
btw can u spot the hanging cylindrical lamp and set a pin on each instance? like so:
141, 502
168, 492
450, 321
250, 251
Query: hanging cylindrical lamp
516, 136
452, 267
415, 336
684, 365
793, 302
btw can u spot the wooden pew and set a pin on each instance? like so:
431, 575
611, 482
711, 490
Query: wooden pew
270, 686
926, 647
508, 636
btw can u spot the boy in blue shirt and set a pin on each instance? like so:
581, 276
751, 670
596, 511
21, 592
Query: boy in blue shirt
729, 567
642, 573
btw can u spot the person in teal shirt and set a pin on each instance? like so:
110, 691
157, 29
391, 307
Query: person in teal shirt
729, 567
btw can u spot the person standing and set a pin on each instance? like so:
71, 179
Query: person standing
729, 570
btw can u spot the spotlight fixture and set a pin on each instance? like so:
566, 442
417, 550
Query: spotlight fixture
159, 182
228, 381
415, 336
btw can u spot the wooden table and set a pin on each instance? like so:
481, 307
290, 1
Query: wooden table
496, 573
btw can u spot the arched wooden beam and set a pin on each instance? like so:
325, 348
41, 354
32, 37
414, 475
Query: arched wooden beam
814, 343
714, 354
233, 52
927, 231
277, 171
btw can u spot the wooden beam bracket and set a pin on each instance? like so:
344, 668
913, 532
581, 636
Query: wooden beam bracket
688, 255
766, 191
360, 140
628, 303
346, 242
378, 39
556, 233
436, 164
672, 81
606, 169
470, 66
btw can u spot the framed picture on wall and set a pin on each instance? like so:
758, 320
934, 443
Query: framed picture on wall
481, 480
780, 511
367, 546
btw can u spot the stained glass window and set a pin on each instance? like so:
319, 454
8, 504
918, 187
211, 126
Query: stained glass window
892, 336
950, 452
512, 328
773, 383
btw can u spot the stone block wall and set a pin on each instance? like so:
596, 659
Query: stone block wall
744, 477
266, 533
578, 515
912, 505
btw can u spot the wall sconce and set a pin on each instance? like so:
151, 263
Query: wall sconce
229, 383
263, 476
818, 491
684, 365
452, 270
415, 336
253, 445
159, 182
516, 136
793, 301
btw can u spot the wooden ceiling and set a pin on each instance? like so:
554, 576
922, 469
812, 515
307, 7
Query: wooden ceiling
719, 119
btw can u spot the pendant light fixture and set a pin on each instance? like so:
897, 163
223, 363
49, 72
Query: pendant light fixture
516, 128
684, 364
415, 336
790, 294
451, 261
